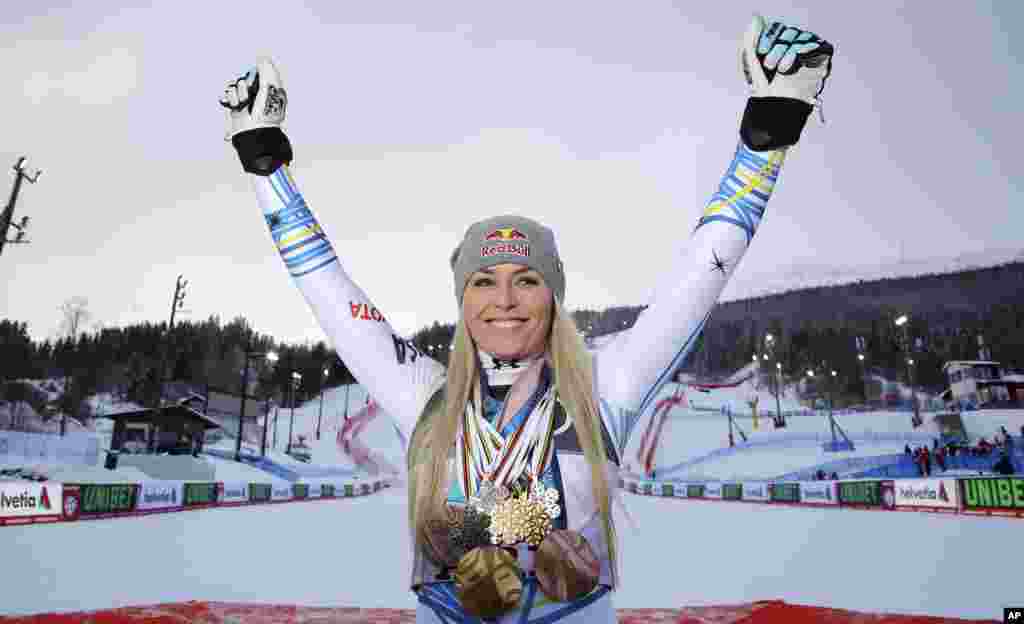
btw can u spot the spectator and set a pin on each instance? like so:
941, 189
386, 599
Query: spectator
834, 476
906, 449
1004, 466
935, 444
927, 462
1022, 431
940, 459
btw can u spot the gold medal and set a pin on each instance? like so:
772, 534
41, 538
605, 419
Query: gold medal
487, 582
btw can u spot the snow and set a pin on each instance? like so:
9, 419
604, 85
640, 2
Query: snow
355, 552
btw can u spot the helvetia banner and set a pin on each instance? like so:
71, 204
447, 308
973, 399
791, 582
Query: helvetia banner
753, 491
281, 491
23, 499
819, 492
993, 494
927, 493
160, 495
713, 490
235, 492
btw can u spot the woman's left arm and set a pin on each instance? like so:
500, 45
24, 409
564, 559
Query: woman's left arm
632, 369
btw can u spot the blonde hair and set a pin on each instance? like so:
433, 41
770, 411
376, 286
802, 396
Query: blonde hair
433, 441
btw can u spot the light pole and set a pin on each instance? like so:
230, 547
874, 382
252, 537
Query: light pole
321, 415
778, 390
21, 172
902, 322
347, 386
272, 357
249, 356
863, 378
296, 380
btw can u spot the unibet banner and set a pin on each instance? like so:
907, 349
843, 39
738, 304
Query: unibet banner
259, 492
300, 490
21, 499
160, 494
1005, 493
235, 492
99, 498
326, 490
819, 492
349, 489
668, 489
732, 491
867, 493
755, 491
695, 490
281, 492
927, 493
200, 494
713, 490
784, 492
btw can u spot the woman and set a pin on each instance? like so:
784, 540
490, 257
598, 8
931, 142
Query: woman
513, 451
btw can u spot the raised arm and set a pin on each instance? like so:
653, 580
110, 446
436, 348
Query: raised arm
787, 68
393, 371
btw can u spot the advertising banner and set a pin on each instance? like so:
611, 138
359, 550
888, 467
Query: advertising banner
753, 491
160, 495
732, 491
281, 491
861, 493
695, 490
648, 488
784, 492
259, 492
326, 490
938, 493
680, 490
350, 489
300, 491
668, 489
993, 494
712, 490
200, 494
235, 492
23, 499
819, 492
103, 498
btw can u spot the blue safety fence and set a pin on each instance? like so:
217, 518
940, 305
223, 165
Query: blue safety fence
288, 473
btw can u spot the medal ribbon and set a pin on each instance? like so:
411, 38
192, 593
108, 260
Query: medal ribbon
481, 450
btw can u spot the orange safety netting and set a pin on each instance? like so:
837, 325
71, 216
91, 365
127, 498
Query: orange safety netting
767, 612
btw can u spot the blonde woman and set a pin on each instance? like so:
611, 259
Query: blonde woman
513, 452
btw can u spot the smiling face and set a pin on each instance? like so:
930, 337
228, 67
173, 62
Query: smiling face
508, 311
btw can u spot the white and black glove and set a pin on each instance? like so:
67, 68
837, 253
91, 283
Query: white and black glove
256, 105
786, 69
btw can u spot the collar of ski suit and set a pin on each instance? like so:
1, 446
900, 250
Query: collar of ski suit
503, 373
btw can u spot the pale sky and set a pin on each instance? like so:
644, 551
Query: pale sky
612, 122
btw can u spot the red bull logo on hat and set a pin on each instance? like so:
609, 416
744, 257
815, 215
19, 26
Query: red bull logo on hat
506, 234
509, 241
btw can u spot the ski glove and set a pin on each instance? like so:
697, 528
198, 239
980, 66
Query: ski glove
786, 69
256, 105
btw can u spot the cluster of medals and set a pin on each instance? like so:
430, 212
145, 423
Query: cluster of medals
503, 516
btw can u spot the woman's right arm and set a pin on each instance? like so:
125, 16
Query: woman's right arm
397, 374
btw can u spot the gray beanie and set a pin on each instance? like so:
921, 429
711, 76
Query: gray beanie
508, 239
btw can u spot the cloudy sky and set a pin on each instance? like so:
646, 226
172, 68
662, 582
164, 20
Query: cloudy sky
610, 121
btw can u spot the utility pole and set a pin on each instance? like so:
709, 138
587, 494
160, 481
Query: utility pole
176, 304
21, 172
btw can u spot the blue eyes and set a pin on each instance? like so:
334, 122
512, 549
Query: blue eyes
485, 282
